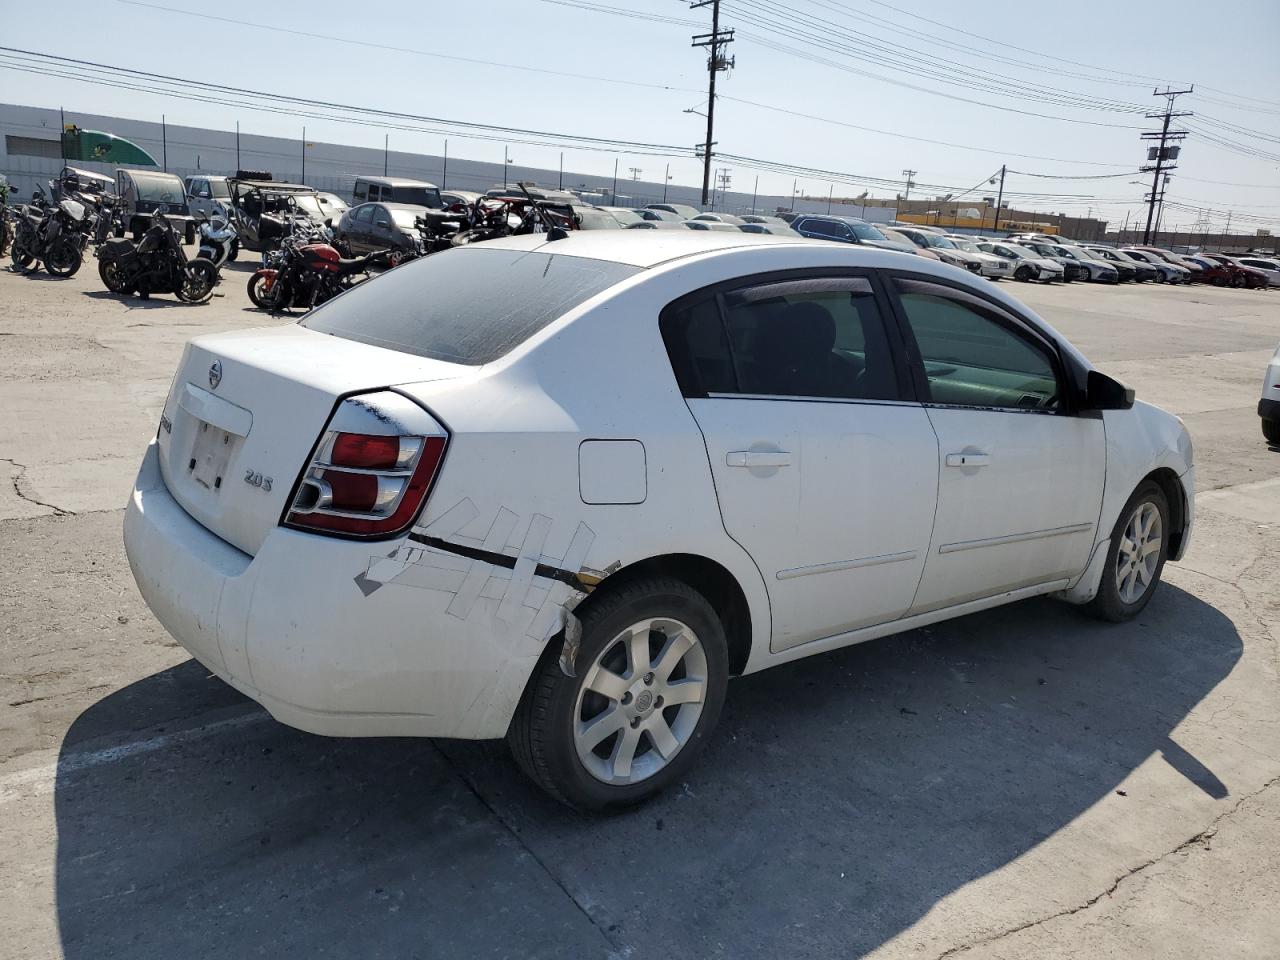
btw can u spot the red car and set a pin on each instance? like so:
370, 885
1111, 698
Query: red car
1226, 272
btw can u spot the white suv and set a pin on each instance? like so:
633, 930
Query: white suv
562, 490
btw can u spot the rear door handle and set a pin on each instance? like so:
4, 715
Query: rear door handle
758, 458
968, 459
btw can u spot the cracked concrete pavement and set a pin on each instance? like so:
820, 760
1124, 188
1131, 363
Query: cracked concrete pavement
1019, 783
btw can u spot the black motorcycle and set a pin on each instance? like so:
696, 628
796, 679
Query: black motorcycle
155, 264
8, 216
51, 233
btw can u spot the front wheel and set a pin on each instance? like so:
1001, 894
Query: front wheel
651, 671
1271, 430
64, 259
1024, 273
1135, 557
198, 280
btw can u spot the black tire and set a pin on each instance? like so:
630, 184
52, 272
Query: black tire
1271, 430
199, 277
64, 259
1024, 273
235, 251
1108, 604
257, 291
541, 735
109, 272
1237, 282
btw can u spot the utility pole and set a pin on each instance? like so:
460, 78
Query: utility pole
386, 152
506, 162
910, 183
237, 145
164, 142
995, 227
613, 196
723, 179
831, 189
1163, 154
635, 174
444, 174
1164, 185
755, 192
561, 169
304, 155
666, 179
717, 62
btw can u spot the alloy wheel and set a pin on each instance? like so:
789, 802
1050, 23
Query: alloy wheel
640, 701
1139, 555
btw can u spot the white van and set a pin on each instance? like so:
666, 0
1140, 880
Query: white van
396, 190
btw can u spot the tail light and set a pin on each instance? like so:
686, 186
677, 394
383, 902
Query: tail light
372, 469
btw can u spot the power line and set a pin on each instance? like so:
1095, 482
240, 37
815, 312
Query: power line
714, 42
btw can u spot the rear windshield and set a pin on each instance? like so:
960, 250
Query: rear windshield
467, 306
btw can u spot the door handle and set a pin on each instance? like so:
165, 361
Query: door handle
968, 459
758, 458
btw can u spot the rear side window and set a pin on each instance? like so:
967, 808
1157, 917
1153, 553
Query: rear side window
821, 338
467, 306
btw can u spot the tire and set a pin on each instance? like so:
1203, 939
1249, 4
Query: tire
258, 292
1112, 602
1219, 281
1237, 282
235, 251
22, 259
63, 260
199, 277
475, 235
1271, 430
547, 734
1024, 273
109, 272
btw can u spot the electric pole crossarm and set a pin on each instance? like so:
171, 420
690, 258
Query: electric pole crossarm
1162, 154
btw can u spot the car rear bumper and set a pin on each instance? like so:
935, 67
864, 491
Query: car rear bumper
303, 630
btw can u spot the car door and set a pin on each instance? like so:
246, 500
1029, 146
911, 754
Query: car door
825, 468
1020, 473
381, 234
361, 223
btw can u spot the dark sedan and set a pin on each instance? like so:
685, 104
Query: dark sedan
379, 226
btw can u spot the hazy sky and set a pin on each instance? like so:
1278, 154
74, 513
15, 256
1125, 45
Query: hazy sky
624, 70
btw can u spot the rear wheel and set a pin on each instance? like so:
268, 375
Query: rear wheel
198, 280
1271, 430
112, 276
652, 668
1135, 557
260, 285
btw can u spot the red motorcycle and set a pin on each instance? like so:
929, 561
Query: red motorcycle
306, 272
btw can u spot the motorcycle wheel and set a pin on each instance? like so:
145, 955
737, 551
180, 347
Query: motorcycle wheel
262, 296
198, 280
21, 257
111, 276
235, 251
5, 238
63, 260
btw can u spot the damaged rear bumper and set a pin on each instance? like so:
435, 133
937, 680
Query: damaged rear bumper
344, 638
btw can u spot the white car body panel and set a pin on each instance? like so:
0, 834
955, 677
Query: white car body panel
559, 469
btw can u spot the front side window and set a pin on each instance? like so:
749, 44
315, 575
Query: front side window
365, 214
972, 355
818, 338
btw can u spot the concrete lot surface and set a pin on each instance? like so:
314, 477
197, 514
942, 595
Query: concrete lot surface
1022, 783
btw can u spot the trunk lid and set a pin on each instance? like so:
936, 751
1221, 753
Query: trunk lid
245, 410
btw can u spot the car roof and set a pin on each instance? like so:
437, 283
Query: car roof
395, 181
645, 248
831, 216
410, 207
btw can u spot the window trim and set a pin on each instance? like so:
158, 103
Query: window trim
1020, 326
685, 371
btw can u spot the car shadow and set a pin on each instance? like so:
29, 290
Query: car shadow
840, 799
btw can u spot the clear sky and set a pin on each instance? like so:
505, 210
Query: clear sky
972, 77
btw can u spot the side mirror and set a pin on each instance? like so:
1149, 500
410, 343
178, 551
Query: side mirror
1104, 393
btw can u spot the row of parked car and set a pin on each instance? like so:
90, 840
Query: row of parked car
1046, 257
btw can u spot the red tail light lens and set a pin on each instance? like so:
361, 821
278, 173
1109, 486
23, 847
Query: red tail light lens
357, 450
364, 481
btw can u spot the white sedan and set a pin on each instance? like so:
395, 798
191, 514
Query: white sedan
1027, 264
560, 491
994, 267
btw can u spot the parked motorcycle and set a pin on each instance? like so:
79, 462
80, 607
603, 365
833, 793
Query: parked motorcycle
306, 272
491, 217
51, 233
219, 243
7, 217
156, 264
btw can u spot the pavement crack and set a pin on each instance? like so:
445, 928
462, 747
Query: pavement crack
17, 489
1206, 834
616, 948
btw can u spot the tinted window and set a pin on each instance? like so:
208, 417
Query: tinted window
467, 306
419, 196
824, 228
359, 193
805, 338
864, 231
365, 214
971, 357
